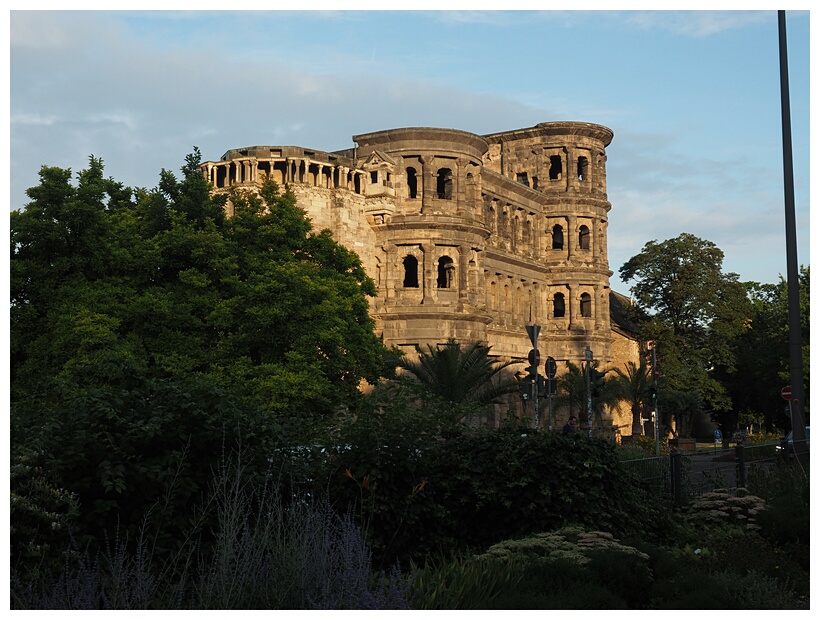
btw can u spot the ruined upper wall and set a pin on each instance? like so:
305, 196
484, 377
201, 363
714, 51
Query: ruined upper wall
427, 139
555, 129
552, 157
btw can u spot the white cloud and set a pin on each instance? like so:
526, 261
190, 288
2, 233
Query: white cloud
695, 23
33, 119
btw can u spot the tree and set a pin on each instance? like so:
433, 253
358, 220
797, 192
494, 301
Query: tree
149, 330
261, 303
631, 386
762, 353
461, 375
694, 310
572, 391
684, 407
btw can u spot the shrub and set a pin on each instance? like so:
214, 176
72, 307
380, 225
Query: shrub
787, 492
418, 492
699, 589
263, 554
541, 572
720, 507
621, 569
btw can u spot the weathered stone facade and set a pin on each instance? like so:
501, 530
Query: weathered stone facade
466, 236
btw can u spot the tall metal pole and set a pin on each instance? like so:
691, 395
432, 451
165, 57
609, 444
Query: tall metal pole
792, 273
655, 413
533, 331
588, 357
549, 400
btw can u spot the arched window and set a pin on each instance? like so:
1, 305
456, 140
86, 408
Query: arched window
446, 272
558, 308
557, 237
586, 305
583, 238
583, 168
444, 183
556, 167
412, 182
411, 272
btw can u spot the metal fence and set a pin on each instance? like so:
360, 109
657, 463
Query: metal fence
685, 475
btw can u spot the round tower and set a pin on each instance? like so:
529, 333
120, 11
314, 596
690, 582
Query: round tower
431, 243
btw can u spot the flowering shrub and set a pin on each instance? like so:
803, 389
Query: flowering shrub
720, 507
571, 543
762, 437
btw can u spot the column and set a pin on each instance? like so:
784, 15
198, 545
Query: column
428, 185
572, 236
429, 273
463, 266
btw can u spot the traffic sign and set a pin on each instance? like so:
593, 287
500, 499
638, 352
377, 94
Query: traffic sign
786, 392
534, 357
551, 367
532, 332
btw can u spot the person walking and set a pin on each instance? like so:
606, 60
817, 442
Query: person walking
571, 426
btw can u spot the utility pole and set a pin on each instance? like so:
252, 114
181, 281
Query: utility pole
588, 357
551, 368
792, 273
534, 359
655, 413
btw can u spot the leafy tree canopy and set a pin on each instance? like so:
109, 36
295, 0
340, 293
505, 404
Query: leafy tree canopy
149, 332
693, 311
163, 279
762, 353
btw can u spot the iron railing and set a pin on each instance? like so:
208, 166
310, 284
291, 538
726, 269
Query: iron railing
686, 475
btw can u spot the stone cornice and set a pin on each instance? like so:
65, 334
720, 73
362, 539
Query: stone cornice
557, 128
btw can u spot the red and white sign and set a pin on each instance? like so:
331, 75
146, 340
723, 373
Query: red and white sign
786, 392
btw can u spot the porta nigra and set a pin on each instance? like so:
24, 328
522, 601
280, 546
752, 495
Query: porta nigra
466, 236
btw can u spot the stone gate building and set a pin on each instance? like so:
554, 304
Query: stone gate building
466, 236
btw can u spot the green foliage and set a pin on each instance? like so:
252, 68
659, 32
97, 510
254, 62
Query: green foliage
264, 554
572, 391
379, 461
419, 492
147, 328
465, 583
787, 492
40, 516
461, 375
694, 311
762, 352
149, 447
526, 482
511, 582
631, 386
699, 589
540, 572
167, 284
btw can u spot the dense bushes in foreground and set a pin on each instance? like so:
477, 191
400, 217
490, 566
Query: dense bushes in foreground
252, 547
474, 488
305, 556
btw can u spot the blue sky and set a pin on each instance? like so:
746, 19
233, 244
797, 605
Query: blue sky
692, 97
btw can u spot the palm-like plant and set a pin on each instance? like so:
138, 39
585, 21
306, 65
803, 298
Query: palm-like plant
631, 387
461, 375
684, 406
572, 394
572, 391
